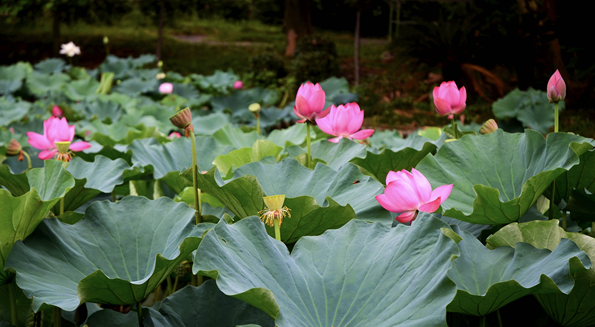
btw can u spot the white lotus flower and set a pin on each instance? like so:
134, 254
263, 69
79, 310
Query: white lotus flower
70, 49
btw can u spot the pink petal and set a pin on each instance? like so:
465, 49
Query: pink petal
436, 92
403, 196
335, 139
341, 125
406, 217
459, 109
324, 124
391, 176
71, 133
79, 146
462, 96
441, 192
561, 87
47, 154
430, 206
442, 106
424, 189
363, 134
316, 101
356, 121
302, 108
324, 113
39, 141
452, 95
386, 204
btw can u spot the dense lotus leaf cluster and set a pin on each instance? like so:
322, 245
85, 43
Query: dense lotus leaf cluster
114, 228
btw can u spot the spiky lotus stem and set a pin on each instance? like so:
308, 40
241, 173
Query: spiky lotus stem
139, 311
556, 119
197, 204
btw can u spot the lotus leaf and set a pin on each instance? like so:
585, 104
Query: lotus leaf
226, 163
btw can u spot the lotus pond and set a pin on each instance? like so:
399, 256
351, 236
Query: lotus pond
119, 207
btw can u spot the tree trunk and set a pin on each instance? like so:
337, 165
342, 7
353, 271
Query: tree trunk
56, 32
160, 36
297, 23
356, 48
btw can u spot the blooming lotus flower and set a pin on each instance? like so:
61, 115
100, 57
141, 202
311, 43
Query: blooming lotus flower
166, 88
406, 193
556, 88
344, 121
70, 49
57, 112
449, 100
54, 130
309, 103
238, 85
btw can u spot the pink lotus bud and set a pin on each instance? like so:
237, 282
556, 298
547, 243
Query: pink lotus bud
14, 148
309, 103
406, 193
166, 88
449, 100
556, 88
344, 121
57, 112
238, 85
55, 130
174, 135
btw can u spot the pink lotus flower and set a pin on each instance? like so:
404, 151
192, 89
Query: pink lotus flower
238, 85
344, 121
449, 100
556, 88
54, 130
174, 135
57, 112
309, 103
406, 193
166, 88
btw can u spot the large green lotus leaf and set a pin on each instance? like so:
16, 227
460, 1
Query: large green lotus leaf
381, 139
175, 156
17, 71
209, 124
13, 111
237, 103
338, 279
205, 305
119, 132
79, 90
271, 116
136, 86
93, 178
220, 82
51, 66
379, 165
576, 309
295, 134
333, 154
581, 176
347, 186
17, 184
187, 91
40, 84
23, 304
104, 110
19, 216
226, 163
235, 137
337, 90
9, 86
489, 279
67, 265
499, 176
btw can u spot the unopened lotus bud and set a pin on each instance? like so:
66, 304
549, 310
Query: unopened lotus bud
64, 153
105, 40
14, 148
161, 76
488, 127
183, 119
160, 64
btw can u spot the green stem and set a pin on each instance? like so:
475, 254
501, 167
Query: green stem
194, 179
499, 318
197, 280
28, 159
592, 229
61, 206
14, 319
176, 283
556, 119
308, 141
57, 317
114, 195
564, 220
454, 128
169, 287
284, 99
277, 230
139, 311
482, 321
258, 124
551, 216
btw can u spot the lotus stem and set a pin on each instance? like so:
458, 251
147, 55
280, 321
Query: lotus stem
57, 317
277, 230
454, 128
564, 220
499, 318
194, 180
282, 104
169, 287
551, 215
592, 229
258, 125
62, 205
139, 311
14, 319
482, 321
28, 159
308, 144
114, 195
556, 119
196, 280
176, 283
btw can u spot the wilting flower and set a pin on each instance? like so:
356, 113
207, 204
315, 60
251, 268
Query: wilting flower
174, 135
70, 49
166, 88
309, 103
344, 121
54, 130
406, 193
449, 100
238, 85
556, 88
57, 112
488, 127
183, 119
275, 209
